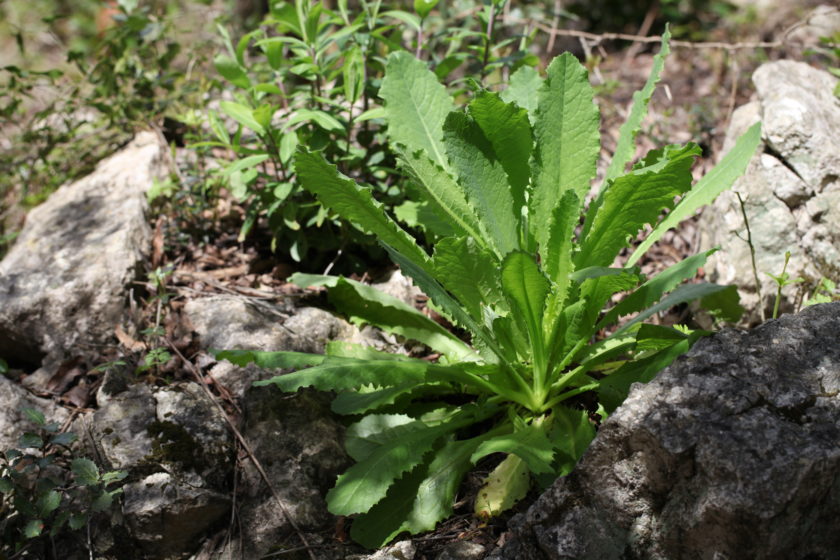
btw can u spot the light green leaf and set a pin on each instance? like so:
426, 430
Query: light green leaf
375, 430
241, 114
232, 71
631, 201
523, 88
707, 189
366, 483
507, 484
341, 374
344, 197
102, 502
321, 118
423, 7
567, 141
625, 149
649, 293
269, 360
571, 434
484, 181
526, 289
33, 528
416, 105
245, 163
357, 402
34, 416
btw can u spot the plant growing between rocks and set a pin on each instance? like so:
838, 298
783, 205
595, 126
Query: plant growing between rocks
45, 490
524, 268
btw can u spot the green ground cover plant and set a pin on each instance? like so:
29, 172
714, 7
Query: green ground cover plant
309, 76
524, 268
45, 490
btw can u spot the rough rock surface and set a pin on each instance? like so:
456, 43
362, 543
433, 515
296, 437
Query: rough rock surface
179, 454
729, 453
63, 284
13, 422
791, 189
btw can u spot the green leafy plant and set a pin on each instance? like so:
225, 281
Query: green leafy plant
44, 489
825, 292
309, 77
527, 274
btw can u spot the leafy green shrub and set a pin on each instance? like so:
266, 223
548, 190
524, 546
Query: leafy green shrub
528, 274
310, 77
45, 490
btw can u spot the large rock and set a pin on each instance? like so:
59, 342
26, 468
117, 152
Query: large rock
13, 421
63, 284
791, 189
179, 453
731, 452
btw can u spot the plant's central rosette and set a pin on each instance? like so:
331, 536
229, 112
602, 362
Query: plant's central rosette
507, 180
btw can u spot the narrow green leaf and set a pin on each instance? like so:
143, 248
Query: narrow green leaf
366, 483
649, 293
416, 105
34, 416
571, 434
353, 203
484, 181
526, 289
707, 189
507, 484
625, 149
241, 114
523, 88
341, 374
269, 360
86, 471
245, 163
507, 128
630, 202
567, 141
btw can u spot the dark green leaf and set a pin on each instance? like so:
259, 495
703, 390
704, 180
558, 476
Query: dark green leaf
86, 471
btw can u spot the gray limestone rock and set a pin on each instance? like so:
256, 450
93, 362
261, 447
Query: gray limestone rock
13, 422
178, 451
731, 452
63, 284
791, 189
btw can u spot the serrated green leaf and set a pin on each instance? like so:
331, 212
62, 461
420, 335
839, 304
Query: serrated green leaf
241, 114
529, 442
353, 203
707, 188
436, 494
509, 132
656, 337
507, 484
630, 202
344, 349
416, 105
469, 272
567, 141
374, 430
268, 360
33, 528
523, 88
48, 503
366, 483
353, 402
34, 416
649, 293
365, 304
484, 181
341, 374
113, 476
86, 471
440, 189
625, 148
